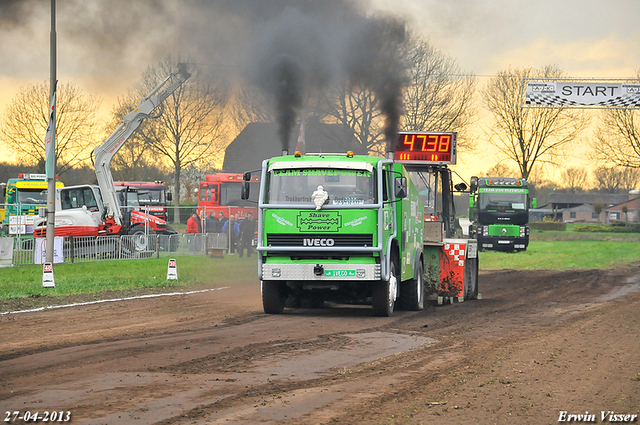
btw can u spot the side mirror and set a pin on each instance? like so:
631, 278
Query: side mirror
245, 190
460, 187
169, 197
473, 184
472, 201
534, 203
247, 176
401, 187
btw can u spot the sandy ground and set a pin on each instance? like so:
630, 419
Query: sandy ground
537, 344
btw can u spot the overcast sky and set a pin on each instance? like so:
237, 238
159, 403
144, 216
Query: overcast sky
105, 45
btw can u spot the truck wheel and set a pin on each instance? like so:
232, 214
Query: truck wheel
140, 240
471, 279
383, 297
412, 291
273, 296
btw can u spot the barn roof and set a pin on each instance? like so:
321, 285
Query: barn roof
259, 141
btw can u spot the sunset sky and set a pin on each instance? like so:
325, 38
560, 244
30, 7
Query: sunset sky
104, 46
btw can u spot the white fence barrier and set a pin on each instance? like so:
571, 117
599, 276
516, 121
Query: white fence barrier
86, 249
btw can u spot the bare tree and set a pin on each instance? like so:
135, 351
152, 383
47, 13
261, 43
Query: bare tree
357, 108
25, 122
439, 96
618, 137
499, 170
575, 179
598, 206
190, 130
607, 179
529, 136
616, 179
134, 160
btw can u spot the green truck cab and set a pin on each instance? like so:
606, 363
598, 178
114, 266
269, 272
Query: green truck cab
499, 211
22, 197
344, 228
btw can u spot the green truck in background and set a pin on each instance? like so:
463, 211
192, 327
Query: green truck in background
499, 211
352, 228
22, 197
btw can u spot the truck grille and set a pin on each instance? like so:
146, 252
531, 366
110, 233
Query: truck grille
320, 240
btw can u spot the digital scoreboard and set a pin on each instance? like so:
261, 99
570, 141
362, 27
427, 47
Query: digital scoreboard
425, 147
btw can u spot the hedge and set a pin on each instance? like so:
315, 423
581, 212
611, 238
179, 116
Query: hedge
548, 225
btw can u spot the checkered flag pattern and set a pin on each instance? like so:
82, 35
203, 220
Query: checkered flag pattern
456, 251
550, 99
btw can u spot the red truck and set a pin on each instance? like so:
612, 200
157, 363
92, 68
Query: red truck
223, 192
153, 197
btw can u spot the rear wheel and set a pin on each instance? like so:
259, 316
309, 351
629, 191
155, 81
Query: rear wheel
383, 297
471, 279
412, 291
273, 296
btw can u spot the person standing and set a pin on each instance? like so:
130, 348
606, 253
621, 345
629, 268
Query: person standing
247, 231
211, 223
221, 221
232, 229
193, 227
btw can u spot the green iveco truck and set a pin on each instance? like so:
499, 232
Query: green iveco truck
339, 228
499, 211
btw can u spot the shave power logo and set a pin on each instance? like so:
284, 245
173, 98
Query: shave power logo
314, 221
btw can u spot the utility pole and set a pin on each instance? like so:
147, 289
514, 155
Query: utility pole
50, 145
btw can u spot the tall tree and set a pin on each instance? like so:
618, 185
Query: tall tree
26, 118
616, 179
499, 170
618, 138
439, 97
135, 159
190, 130
575, 179
529, 136
358, 108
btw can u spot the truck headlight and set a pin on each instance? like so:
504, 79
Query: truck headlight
485, 230
522, 231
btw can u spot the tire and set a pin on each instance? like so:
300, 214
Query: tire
273, 296
140, 242
412, 291
471, 280
382, 297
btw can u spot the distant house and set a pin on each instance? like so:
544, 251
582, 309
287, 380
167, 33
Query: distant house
540, 214
259, 141
562, 200
616, 213
583, 213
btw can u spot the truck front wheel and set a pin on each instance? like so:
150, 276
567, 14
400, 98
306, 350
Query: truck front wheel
383, 297
140, 239
274, 296
412, 291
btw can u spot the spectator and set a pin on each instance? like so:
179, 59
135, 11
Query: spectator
221, 221
193, 227
211, 223
247, 231
232, 229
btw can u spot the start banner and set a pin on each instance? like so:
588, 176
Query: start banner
619, 94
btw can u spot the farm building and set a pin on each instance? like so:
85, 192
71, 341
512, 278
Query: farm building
260, 140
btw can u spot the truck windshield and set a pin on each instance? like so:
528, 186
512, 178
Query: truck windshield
503, 201
344, 187
151, 196
32, 196
231, 194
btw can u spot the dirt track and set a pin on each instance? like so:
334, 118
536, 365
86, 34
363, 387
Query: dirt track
538, 343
